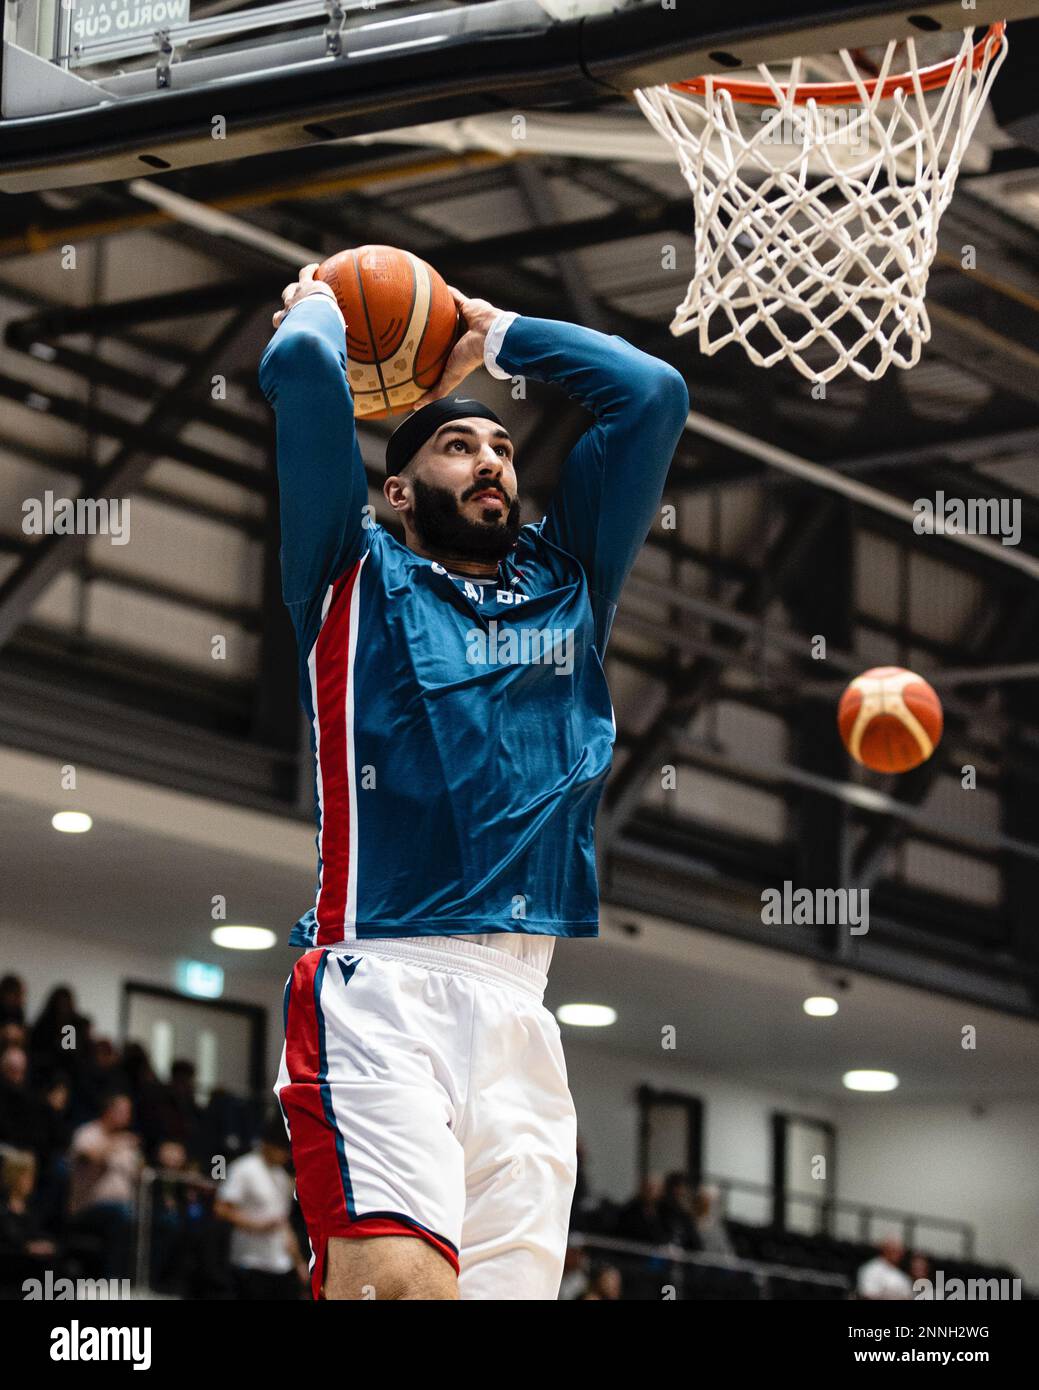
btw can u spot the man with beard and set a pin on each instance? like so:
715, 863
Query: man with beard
462, 732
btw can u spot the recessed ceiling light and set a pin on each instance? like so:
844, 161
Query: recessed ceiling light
586, 1015
244, 938
870, 1080
820, 1006
71, 822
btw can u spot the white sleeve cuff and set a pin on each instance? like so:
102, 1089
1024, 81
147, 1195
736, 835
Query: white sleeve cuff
493, 342
329, 298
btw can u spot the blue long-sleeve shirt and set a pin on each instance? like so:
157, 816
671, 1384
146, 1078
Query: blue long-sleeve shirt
462, 729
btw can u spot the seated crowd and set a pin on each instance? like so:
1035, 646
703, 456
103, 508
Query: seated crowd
81, 1120
696, 1253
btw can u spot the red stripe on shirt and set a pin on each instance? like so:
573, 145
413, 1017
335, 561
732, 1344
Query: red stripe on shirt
332, 676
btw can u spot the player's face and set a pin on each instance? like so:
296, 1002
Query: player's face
464, 494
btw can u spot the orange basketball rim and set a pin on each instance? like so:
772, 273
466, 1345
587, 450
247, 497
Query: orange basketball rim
928, 79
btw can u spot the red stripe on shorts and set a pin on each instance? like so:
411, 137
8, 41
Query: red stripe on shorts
319, 1170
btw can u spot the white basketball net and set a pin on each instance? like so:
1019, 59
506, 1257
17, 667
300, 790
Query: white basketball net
815, 225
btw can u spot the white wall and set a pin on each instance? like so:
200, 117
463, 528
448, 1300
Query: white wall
737, 1138
97, 970
945, 1160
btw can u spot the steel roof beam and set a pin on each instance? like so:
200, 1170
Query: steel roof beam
53, 553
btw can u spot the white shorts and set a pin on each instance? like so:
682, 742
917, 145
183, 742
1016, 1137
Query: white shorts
425, 1094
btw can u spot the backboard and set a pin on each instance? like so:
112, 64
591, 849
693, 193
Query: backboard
97, 90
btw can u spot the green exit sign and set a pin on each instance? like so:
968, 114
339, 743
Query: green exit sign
202, 980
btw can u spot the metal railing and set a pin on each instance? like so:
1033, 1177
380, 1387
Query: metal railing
651, 1259
827, 1212
143, 1216
677, 1261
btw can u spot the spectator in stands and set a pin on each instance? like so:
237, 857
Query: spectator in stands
21, 1118
59, 1037
920, 1272
605, 1285
256, 1200
188, 1257
710, 1224
574, 1283
56, 1103
101, 1074
641, 1219
146, 1096
106, 1163
60, 1041
169, 1223
26, 1248
56, 1130
676, 1211
12, 1000
13, 1035
181, 1113
227, 1126
20, 1232
883, 1277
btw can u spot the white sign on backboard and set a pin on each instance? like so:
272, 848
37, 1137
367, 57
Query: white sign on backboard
100, 21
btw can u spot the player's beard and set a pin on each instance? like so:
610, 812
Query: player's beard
443, 529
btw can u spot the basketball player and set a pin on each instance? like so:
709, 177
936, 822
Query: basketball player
462, 733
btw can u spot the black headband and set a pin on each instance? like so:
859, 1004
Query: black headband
410, 435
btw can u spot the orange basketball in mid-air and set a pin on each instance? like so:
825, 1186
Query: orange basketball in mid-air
401, 324
890, 719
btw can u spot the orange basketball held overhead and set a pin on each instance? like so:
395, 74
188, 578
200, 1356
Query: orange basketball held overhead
890, 719
401, 324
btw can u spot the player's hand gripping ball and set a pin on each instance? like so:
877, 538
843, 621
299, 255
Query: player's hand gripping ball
890, 719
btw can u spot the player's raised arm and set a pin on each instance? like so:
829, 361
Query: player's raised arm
613, 478
321, 475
